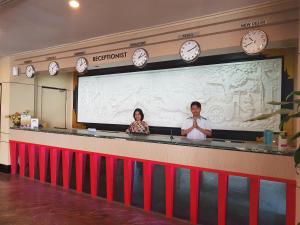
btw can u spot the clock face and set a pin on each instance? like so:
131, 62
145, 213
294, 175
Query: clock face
140, 57
30, 71
254, 41
81, 65
15, 71
190, 51
53, 68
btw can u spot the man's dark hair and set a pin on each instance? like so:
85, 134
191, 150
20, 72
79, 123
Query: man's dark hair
140, 111
198, 104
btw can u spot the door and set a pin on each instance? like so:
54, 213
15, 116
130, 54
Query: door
53, 108
0, 103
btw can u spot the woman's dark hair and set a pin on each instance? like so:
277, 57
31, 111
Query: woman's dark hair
198, 104
140, 111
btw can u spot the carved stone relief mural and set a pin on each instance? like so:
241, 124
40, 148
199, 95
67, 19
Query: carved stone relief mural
229, 93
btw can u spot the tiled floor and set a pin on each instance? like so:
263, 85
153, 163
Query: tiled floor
26, 202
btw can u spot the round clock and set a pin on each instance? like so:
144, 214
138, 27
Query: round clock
15, 71
140, 57
30, 71
81, 65
254, 41
190, 51
53, 68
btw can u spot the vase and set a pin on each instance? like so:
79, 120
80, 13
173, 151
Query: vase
282, 143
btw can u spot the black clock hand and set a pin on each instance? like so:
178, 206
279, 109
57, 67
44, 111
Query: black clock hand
248, 44
192, 48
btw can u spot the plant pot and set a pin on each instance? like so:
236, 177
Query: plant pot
282, 143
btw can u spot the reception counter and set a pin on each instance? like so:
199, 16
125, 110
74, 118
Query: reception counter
209, 182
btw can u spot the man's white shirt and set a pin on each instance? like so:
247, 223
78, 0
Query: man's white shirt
195, 134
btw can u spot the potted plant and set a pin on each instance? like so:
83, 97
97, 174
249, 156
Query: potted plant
282, 141
286, 115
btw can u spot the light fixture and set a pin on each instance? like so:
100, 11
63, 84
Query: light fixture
74, 4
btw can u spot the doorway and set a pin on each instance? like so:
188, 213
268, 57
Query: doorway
53, 107
0, 103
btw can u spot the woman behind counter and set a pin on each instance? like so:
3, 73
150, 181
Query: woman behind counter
138, 126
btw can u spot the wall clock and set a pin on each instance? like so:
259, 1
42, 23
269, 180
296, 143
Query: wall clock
30, 71
140, 57
254, 41
53, 68
190, 51
81, 65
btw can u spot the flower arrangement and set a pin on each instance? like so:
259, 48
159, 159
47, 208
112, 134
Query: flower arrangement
15, 118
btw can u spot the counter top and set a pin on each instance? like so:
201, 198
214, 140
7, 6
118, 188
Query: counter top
221, 144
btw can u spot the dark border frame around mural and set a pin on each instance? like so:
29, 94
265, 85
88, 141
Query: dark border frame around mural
286, 87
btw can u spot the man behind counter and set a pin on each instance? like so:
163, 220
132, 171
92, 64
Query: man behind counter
196, 127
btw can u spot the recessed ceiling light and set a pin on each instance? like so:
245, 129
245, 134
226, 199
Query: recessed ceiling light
74, 4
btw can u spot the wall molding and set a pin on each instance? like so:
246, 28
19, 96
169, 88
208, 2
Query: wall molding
277, 13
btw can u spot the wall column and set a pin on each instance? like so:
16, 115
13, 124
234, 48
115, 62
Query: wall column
17, 95
297, 126
5, 110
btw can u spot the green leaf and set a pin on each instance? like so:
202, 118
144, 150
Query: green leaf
261, 117
293, 115
283, 120
269, 115
286, 118
296, 101
279, 103
297, 157
292, 94
294, 137
283, 111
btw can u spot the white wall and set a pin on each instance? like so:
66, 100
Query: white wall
17, 96
63, 80
21, 93
5, 101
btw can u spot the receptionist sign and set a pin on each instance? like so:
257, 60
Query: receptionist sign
112, 56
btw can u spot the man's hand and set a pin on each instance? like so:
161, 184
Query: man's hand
205, 131
195, 124
184, 132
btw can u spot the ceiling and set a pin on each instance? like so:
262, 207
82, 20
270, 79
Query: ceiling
33, 24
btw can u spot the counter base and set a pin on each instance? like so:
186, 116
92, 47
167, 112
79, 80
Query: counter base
199, 195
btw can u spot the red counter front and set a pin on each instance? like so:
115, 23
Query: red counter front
198, 184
